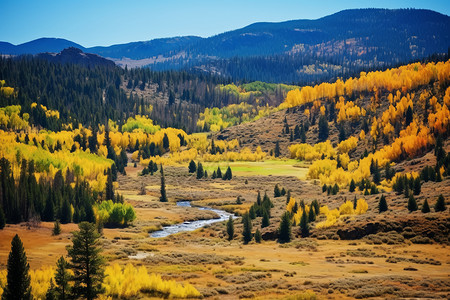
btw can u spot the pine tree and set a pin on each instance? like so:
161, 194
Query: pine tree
352, 186
276, 191
219, 172
412, 204
382, 205
62, 279
66, 212
56, 228
304, 226
192, 167
276, 152
51, 295
440, 204
425, 207
200, 172
109, 190
163, 197
252, 213
230, 228
311, 214
323, 128
18, 279
417, 186
265, 219
165, 140
284, 231
228, 174
258, 236
2, 218
247, 232
86, 262
49, 210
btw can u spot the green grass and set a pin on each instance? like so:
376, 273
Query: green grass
264, 168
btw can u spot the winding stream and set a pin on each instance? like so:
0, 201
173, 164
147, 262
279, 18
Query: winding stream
192, 225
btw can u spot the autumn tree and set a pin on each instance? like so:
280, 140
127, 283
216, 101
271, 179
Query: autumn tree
230, 228
17, 279
86, 262
163, 197
284, 231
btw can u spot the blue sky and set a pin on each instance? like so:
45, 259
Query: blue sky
107, 22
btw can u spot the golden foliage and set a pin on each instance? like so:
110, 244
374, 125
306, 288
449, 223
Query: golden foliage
130, 281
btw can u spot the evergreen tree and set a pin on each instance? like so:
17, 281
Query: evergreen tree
86, 262
166, 143
230, 228
192, 167
200, 172
376, 175
17, 279
382, 205
56, 228
49, 210
389, 173
311, 214
304, 226
425, 207
315, 204
247, 231
265, 219
352, 186
2, 218
284, 231
412, 204
163, 197
276, 151
228, 174
258, 199
440, 204
417, 186
252, 213
109, 190
66, 212
51, 295
276, 191
288, 196
323, 128
62, 279
219, 172
258, 236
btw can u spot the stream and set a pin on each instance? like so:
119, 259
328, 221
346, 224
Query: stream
191, 225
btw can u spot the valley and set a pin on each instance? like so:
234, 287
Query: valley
298, 160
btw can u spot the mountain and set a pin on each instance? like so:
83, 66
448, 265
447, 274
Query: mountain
142, 50
77, 56
301, 51
41, 45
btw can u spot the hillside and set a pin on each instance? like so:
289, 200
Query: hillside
76, 56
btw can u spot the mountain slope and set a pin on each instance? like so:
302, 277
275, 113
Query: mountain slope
301, 51
75, 55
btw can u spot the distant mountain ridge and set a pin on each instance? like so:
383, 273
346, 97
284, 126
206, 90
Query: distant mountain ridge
76, 56
289, 51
